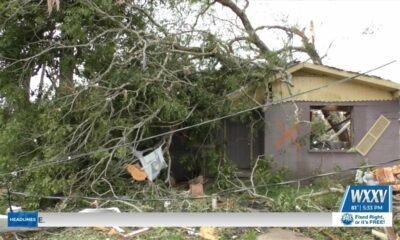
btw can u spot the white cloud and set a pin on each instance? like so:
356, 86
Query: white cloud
363, 33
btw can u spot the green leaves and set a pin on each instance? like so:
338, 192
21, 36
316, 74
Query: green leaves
112, 78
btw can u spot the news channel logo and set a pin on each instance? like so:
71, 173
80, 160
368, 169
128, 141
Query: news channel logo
347, 219
365, 206
373, 199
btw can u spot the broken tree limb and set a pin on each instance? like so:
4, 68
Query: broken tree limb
130, 204
396, 209
137, 232
379, 235
169, 159
252, 174
329, 115
318, 194
340, 131
240, 13
254, 191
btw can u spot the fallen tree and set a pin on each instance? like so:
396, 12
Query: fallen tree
111, 74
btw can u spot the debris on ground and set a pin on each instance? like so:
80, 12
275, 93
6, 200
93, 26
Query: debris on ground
359, 176
318, 194
137, 232
389, 175
367, 178
94, 204
214, 202
197, 189
305, 198
209, 233
120, 232
228, 204
136, 172
191, 231
278, 234
379, 235
196, 186
14, 209
109, 230
101, 210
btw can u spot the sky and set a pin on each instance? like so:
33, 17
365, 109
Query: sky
363, 34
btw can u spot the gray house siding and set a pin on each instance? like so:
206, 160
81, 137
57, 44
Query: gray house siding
301, 161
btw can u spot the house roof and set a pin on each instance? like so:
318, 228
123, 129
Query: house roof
336, 72
307, 76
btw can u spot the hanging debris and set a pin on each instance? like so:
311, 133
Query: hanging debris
152, 163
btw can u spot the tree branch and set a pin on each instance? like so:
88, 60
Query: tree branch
253, 37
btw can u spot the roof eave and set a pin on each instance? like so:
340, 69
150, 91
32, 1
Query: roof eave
369, 80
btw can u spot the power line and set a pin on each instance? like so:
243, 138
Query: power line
115, 198
308, 178
264, 105
219, 194
75, 157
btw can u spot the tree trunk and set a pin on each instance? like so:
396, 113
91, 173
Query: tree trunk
344, 136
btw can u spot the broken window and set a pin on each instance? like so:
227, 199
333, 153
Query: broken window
331, 128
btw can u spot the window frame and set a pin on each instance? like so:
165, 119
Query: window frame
339, 108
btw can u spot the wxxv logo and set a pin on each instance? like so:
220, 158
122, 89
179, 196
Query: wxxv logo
367, 199
365, 206
368, 195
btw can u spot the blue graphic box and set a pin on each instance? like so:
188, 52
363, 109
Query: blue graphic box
367, 199
23, 219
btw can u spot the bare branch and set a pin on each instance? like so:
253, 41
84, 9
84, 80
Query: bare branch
253, 37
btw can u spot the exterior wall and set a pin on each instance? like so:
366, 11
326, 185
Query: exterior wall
303, 162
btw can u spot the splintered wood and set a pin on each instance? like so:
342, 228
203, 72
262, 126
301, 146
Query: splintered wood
136, 172
389, 175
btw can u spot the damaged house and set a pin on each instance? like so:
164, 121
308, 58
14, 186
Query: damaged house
340, 126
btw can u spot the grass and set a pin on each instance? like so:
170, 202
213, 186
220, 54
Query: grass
154, 233
73, 233
181, 234
285, 199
